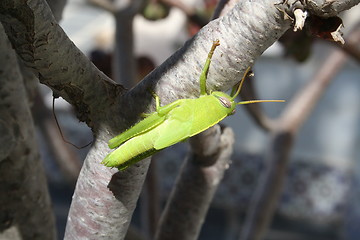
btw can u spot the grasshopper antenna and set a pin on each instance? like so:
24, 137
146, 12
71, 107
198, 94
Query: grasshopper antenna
61, 133
248, 73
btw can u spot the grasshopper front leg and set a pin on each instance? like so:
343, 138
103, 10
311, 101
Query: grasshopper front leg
162, 110
204, 73
157, 104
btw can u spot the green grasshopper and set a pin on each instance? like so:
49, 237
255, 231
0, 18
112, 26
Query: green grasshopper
174, 122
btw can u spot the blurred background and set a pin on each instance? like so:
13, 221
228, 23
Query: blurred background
320, 198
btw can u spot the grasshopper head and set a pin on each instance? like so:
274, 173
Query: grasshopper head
226, 101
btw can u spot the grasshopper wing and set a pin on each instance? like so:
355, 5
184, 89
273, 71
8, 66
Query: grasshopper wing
190, 118
174, 132
150, 122
175, 128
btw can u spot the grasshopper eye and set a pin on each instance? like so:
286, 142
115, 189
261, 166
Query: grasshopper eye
225, 102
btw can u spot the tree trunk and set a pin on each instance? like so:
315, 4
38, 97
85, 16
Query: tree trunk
25, 208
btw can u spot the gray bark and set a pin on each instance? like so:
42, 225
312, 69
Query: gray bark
25, 208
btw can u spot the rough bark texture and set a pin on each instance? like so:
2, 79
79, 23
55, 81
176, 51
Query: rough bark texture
103, 204
248, 30
328, 8
43, 46
25, 208
200, 176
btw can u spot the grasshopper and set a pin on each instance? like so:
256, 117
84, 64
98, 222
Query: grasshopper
174, 122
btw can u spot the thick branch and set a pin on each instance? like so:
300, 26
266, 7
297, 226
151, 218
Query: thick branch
104, 199
43, 46
25, 208
244, 33
329, 8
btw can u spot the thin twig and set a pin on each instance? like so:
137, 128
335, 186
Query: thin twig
66, 158
60, 131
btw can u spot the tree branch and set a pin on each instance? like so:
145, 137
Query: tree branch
328, 8
43, 46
